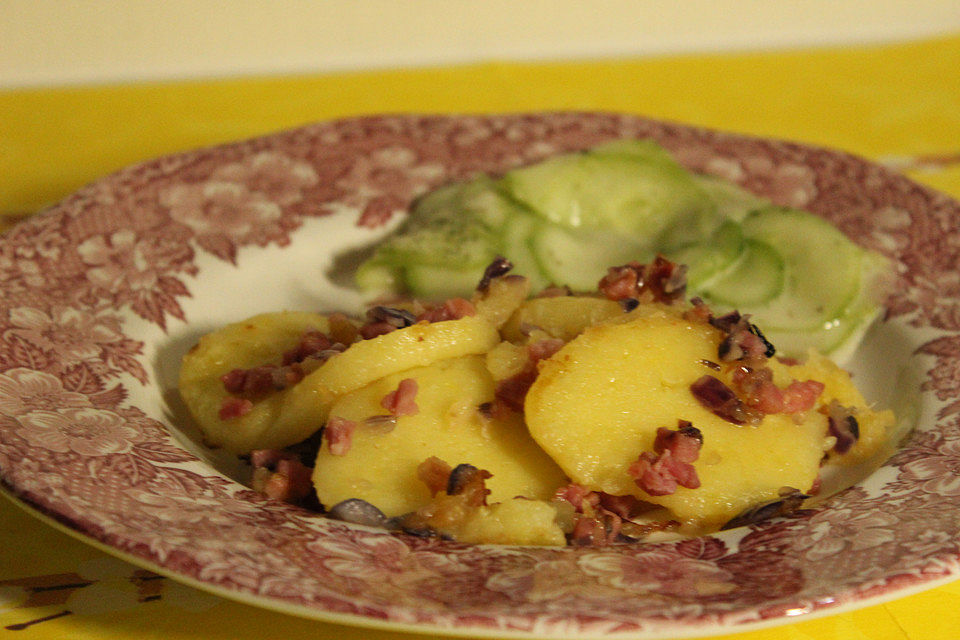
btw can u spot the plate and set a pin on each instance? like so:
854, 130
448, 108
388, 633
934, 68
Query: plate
103, 293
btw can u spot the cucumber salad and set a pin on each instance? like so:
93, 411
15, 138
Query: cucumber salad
564, 220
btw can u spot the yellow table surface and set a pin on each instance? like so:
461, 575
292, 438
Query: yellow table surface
898, 103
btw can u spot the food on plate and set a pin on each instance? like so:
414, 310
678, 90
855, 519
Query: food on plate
620, 414
564, 220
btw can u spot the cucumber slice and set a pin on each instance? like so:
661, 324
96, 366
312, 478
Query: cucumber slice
630, 194
477, 200
438, 282
706, 259
756, 278
732, 201
516, 246
579, 258
822, 269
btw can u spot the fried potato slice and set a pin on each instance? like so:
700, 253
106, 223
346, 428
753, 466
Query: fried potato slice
277, 419
598, 402
381, 463
414, 346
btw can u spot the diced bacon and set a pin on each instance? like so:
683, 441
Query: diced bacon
577, 495
339, 434
512, 391
588, 532
470, 482
759, 391
843, 425
543, 349
452, 309
621, 283
555, 291
801, 396
659, 281
435, 473
311, 343
744, 341
262, 379
232, 408
402, 400
374, 329
624, 507
382, 320
699, 311
720, 399
660, 472
290, 482
268, 458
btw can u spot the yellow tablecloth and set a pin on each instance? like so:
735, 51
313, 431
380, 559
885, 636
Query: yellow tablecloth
897, 103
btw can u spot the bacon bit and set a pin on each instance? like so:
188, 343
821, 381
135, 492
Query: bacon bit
554, 291
339, 434
801, 396
759, 392
723, 402
816, 486
382, 320
698, 312
499, 267
578, 495
434, 473
402, 400
843, 426
311, 343
625, 507
659, 281
268, 458
588, 532
512, 391
659, 473
469, 481
290, 482
259, 380
744, 341
452, 309
232, 408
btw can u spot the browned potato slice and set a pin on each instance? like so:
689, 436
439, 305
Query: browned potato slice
597, 405
381, 464
502, 297
561, 317
414, 346
276, 420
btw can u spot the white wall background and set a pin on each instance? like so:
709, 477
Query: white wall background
44, 42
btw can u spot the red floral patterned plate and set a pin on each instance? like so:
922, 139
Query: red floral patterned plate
103, 293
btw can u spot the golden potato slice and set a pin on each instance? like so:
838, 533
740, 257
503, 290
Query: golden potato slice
414, 346
598, 402
514, 521
381, 464
502, 297
563, 317
874, 426
276, 420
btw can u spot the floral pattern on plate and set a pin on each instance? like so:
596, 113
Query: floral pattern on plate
92, 289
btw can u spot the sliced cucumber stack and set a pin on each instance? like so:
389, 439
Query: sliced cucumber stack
803, 282
580, 258
566, 220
